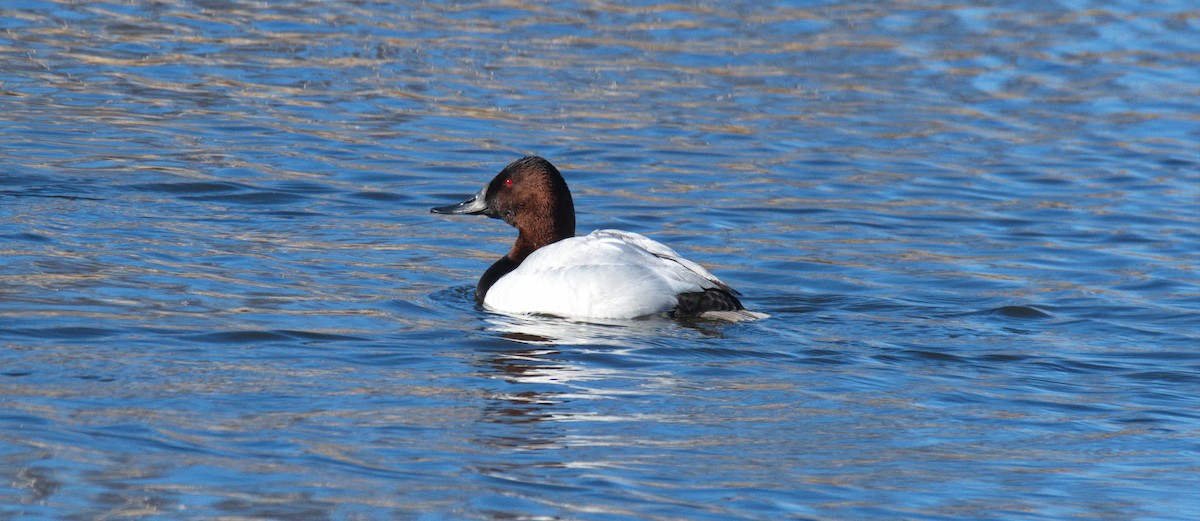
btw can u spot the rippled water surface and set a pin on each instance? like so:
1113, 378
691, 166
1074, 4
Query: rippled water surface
975, 228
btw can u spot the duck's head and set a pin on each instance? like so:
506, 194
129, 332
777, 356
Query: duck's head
529, 194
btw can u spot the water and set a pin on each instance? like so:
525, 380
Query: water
975, 228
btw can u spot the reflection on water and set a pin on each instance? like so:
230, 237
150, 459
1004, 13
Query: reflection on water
973, 226
545, 330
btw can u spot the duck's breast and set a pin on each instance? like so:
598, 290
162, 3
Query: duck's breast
607, 274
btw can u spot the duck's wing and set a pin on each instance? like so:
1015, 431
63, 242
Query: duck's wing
587, 276
606, 274
667, 254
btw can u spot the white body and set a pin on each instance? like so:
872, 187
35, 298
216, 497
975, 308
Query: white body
606, 274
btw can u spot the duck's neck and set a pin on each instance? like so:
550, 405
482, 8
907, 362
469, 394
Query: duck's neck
499, 269
536, 231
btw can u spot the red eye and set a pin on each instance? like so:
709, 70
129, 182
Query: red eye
508, 182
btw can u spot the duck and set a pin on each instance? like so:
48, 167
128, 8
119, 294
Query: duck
607, 274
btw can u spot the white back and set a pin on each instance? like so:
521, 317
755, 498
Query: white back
606, 274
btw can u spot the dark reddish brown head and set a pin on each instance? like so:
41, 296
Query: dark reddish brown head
529, 194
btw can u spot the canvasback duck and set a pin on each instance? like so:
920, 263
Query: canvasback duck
608, 274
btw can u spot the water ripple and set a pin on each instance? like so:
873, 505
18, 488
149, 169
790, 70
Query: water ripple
974, 227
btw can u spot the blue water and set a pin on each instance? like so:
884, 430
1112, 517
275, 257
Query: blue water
975, 228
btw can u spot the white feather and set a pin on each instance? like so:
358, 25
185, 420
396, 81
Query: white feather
606, 274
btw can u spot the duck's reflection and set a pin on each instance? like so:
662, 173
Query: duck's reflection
565, 395
534, 379
531, 384
618, 334
561, 383
557, 372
